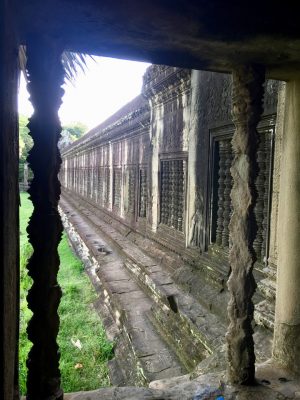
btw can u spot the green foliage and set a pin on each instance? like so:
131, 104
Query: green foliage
86, 368
81, 369
72, 63
70, 133
25, 140
76, 129
25, 144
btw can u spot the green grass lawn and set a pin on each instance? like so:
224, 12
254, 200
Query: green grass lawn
81, 369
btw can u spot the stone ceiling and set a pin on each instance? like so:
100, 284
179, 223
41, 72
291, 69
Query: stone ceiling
212, 35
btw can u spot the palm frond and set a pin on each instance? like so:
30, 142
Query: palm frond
72, 63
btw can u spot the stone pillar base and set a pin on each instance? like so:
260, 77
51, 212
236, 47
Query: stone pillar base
287, 346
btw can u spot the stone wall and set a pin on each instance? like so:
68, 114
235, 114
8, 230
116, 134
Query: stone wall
160, 167
108, 165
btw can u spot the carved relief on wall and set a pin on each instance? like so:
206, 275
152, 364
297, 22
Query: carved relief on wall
198, 226
221, 185
172, 138
130, 189
101, 185
107, 186
143, 197
219, 99
172, 193
117, 182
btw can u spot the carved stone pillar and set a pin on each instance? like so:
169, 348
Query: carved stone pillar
45, 228
247, 108
286, 345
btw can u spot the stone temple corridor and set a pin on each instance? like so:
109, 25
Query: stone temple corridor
191, 192
158, 256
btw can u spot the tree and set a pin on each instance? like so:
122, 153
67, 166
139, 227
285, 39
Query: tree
76, 129
72, 63
25, 140
71, 132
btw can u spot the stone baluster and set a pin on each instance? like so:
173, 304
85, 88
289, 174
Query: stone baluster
247, 108
221, 187
260, 190
45, 228
131, 190
171, 197
100, 185
107, 187
227, 191
265, 216
164, 192
181, 193
143, 193
175, 192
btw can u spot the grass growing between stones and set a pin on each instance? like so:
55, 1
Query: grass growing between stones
84, 347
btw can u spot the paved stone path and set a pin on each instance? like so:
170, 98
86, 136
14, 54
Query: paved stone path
164, 330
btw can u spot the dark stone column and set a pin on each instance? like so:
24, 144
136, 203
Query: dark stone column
45, 227
9, 202
247, 109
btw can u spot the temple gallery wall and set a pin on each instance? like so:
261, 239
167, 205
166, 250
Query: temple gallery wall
146, 204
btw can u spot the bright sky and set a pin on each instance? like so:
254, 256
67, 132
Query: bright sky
106, 86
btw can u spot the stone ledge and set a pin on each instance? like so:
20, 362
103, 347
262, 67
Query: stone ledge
273, 383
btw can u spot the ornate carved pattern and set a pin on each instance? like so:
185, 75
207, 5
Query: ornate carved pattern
224, 206
45, 228
89, 182
100, 186
261, 190
227, 191
271, 97
163, 83
143, 198
266, 139
131, 189
247, 109
107, 186
95, 186
173, 125
117, 181
172, 193
219, 98
221, 187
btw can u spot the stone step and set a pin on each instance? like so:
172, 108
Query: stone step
190, 316
191, 330
160, 246
267, 287
141, 354
264, 314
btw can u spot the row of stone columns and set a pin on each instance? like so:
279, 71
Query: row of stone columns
45, 228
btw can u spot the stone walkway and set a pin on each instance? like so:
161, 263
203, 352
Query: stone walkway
139, 347
160, 331
168, 331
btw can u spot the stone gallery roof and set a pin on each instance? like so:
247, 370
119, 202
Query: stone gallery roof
130, 111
